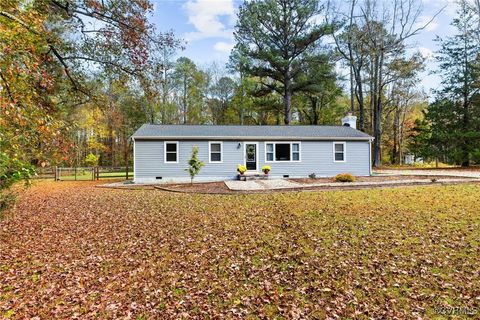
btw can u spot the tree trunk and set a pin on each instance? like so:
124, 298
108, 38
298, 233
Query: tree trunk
396, 134
287, 101
372, 95
241, 99
361, 104
112, 144
313, 105
185, 100
377, 112
465, 142
125, 154
352, 91
377, 146
466, 116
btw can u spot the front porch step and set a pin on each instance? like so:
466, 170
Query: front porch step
252, 175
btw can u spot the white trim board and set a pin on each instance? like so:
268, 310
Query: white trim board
165, 151
256, 154
291, 151
209, 151
344, 151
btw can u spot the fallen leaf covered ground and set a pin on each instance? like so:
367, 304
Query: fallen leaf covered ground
71, 250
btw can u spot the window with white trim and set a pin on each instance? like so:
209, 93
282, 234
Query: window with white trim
215, 151
282, 151
295, 152
269, 152
339, 151
171, 152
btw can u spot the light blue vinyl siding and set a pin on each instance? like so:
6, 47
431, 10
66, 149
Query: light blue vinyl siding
316, 157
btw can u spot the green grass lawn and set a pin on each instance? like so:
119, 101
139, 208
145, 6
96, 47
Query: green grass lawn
87, 175
73, 250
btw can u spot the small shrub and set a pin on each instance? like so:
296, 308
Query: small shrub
7, 200
12, 171
344, 177
266, 169
312, 175
241, 169
91, 160
194, 164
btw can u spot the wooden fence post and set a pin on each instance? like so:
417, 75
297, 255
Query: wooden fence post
56, 173
75, 170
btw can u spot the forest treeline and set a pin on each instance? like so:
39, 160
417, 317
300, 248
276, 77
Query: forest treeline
77, 77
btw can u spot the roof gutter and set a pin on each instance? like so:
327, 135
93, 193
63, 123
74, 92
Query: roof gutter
252, 138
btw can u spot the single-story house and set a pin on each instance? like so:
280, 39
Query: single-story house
161, 152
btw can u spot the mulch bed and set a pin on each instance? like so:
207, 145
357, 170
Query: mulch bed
375, 178
202, 188
221, 188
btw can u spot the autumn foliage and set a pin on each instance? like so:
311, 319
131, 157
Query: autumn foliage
71, 250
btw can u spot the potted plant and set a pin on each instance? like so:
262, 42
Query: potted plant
241, 169
266, 169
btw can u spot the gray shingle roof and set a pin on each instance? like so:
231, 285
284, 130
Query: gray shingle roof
232, 132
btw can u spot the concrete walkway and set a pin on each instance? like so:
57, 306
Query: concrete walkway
275, 184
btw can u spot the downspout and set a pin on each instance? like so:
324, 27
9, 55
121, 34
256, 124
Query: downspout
370, 156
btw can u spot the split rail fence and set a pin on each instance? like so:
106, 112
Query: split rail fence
83, 173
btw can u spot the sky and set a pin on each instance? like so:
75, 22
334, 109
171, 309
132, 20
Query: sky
207, 28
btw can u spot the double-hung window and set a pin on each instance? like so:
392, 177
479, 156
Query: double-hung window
282, 151
215, 151
171, 151
339, 149
269, 152
295, 152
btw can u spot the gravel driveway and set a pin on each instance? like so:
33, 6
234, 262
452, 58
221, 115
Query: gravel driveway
437, 172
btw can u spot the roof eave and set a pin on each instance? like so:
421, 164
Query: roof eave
251, 138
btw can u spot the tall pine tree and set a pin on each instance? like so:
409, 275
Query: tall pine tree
454, 116
276, 36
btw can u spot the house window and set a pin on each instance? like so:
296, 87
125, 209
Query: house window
269, 150
339, 151
215, 151
171, 152
282, 151
295, 151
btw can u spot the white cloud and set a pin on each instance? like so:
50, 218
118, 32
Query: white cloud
223, 47
426, 52
206, 16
